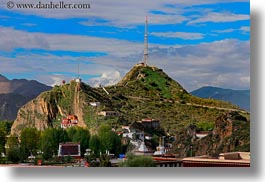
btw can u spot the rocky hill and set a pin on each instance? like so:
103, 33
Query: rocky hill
144, 92
237, 97
231, 133
15, 93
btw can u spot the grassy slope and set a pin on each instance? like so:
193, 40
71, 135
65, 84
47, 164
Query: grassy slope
147, 92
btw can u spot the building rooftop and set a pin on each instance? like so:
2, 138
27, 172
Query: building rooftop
231, 157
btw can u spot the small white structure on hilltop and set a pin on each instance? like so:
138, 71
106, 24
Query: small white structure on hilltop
78, 80
160, 150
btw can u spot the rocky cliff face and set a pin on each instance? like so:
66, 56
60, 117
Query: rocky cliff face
37, 113
48, 109
231, 133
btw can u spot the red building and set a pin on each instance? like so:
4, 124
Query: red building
69, 121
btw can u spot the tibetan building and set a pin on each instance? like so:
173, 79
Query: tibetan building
69, 121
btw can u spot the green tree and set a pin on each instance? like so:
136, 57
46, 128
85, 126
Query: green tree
80, 135
13, 155
117, 149
109, 140
3, 134
137, 161
71, 132
50, 140
5, 127
13, 149
94, 144
30, 138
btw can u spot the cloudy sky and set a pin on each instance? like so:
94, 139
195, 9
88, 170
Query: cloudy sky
197, 43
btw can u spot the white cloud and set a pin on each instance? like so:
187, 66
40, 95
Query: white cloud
222, 63
57, 79
181, 35
225, 31
123, 13
107, 78
11, 39
243, 29
219, 17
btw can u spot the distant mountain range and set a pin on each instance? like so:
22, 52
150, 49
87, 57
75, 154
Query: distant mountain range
15, 93
237, 97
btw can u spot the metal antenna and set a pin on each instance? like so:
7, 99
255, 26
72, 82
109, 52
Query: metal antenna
146, 42
78, 69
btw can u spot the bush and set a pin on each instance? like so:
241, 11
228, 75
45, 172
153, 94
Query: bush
205, 126
13, 155
137, 161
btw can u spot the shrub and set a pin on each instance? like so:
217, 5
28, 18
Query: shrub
137, 161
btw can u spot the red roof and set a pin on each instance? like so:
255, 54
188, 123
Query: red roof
66, 122
72, 117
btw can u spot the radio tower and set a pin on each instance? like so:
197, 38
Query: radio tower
146, 42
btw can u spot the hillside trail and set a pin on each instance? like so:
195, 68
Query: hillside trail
198, 105
214, 107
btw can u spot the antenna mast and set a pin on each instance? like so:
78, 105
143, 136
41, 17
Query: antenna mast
78, 69
78, 79
146, 42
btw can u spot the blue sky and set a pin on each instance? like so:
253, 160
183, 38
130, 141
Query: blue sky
197, 43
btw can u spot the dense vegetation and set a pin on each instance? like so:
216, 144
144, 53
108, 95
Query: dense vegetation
137, 161
5, 127
44, 144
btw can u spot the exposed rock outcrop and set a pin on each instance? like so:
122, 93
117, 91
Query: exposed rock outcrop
231, 133
48, 109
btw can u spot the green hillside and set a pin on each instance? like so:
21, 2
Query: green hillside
144, 92
147, 92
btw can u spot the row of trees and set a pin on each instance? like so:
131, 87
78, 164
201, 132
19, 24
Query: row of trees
32, 141
5, 127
